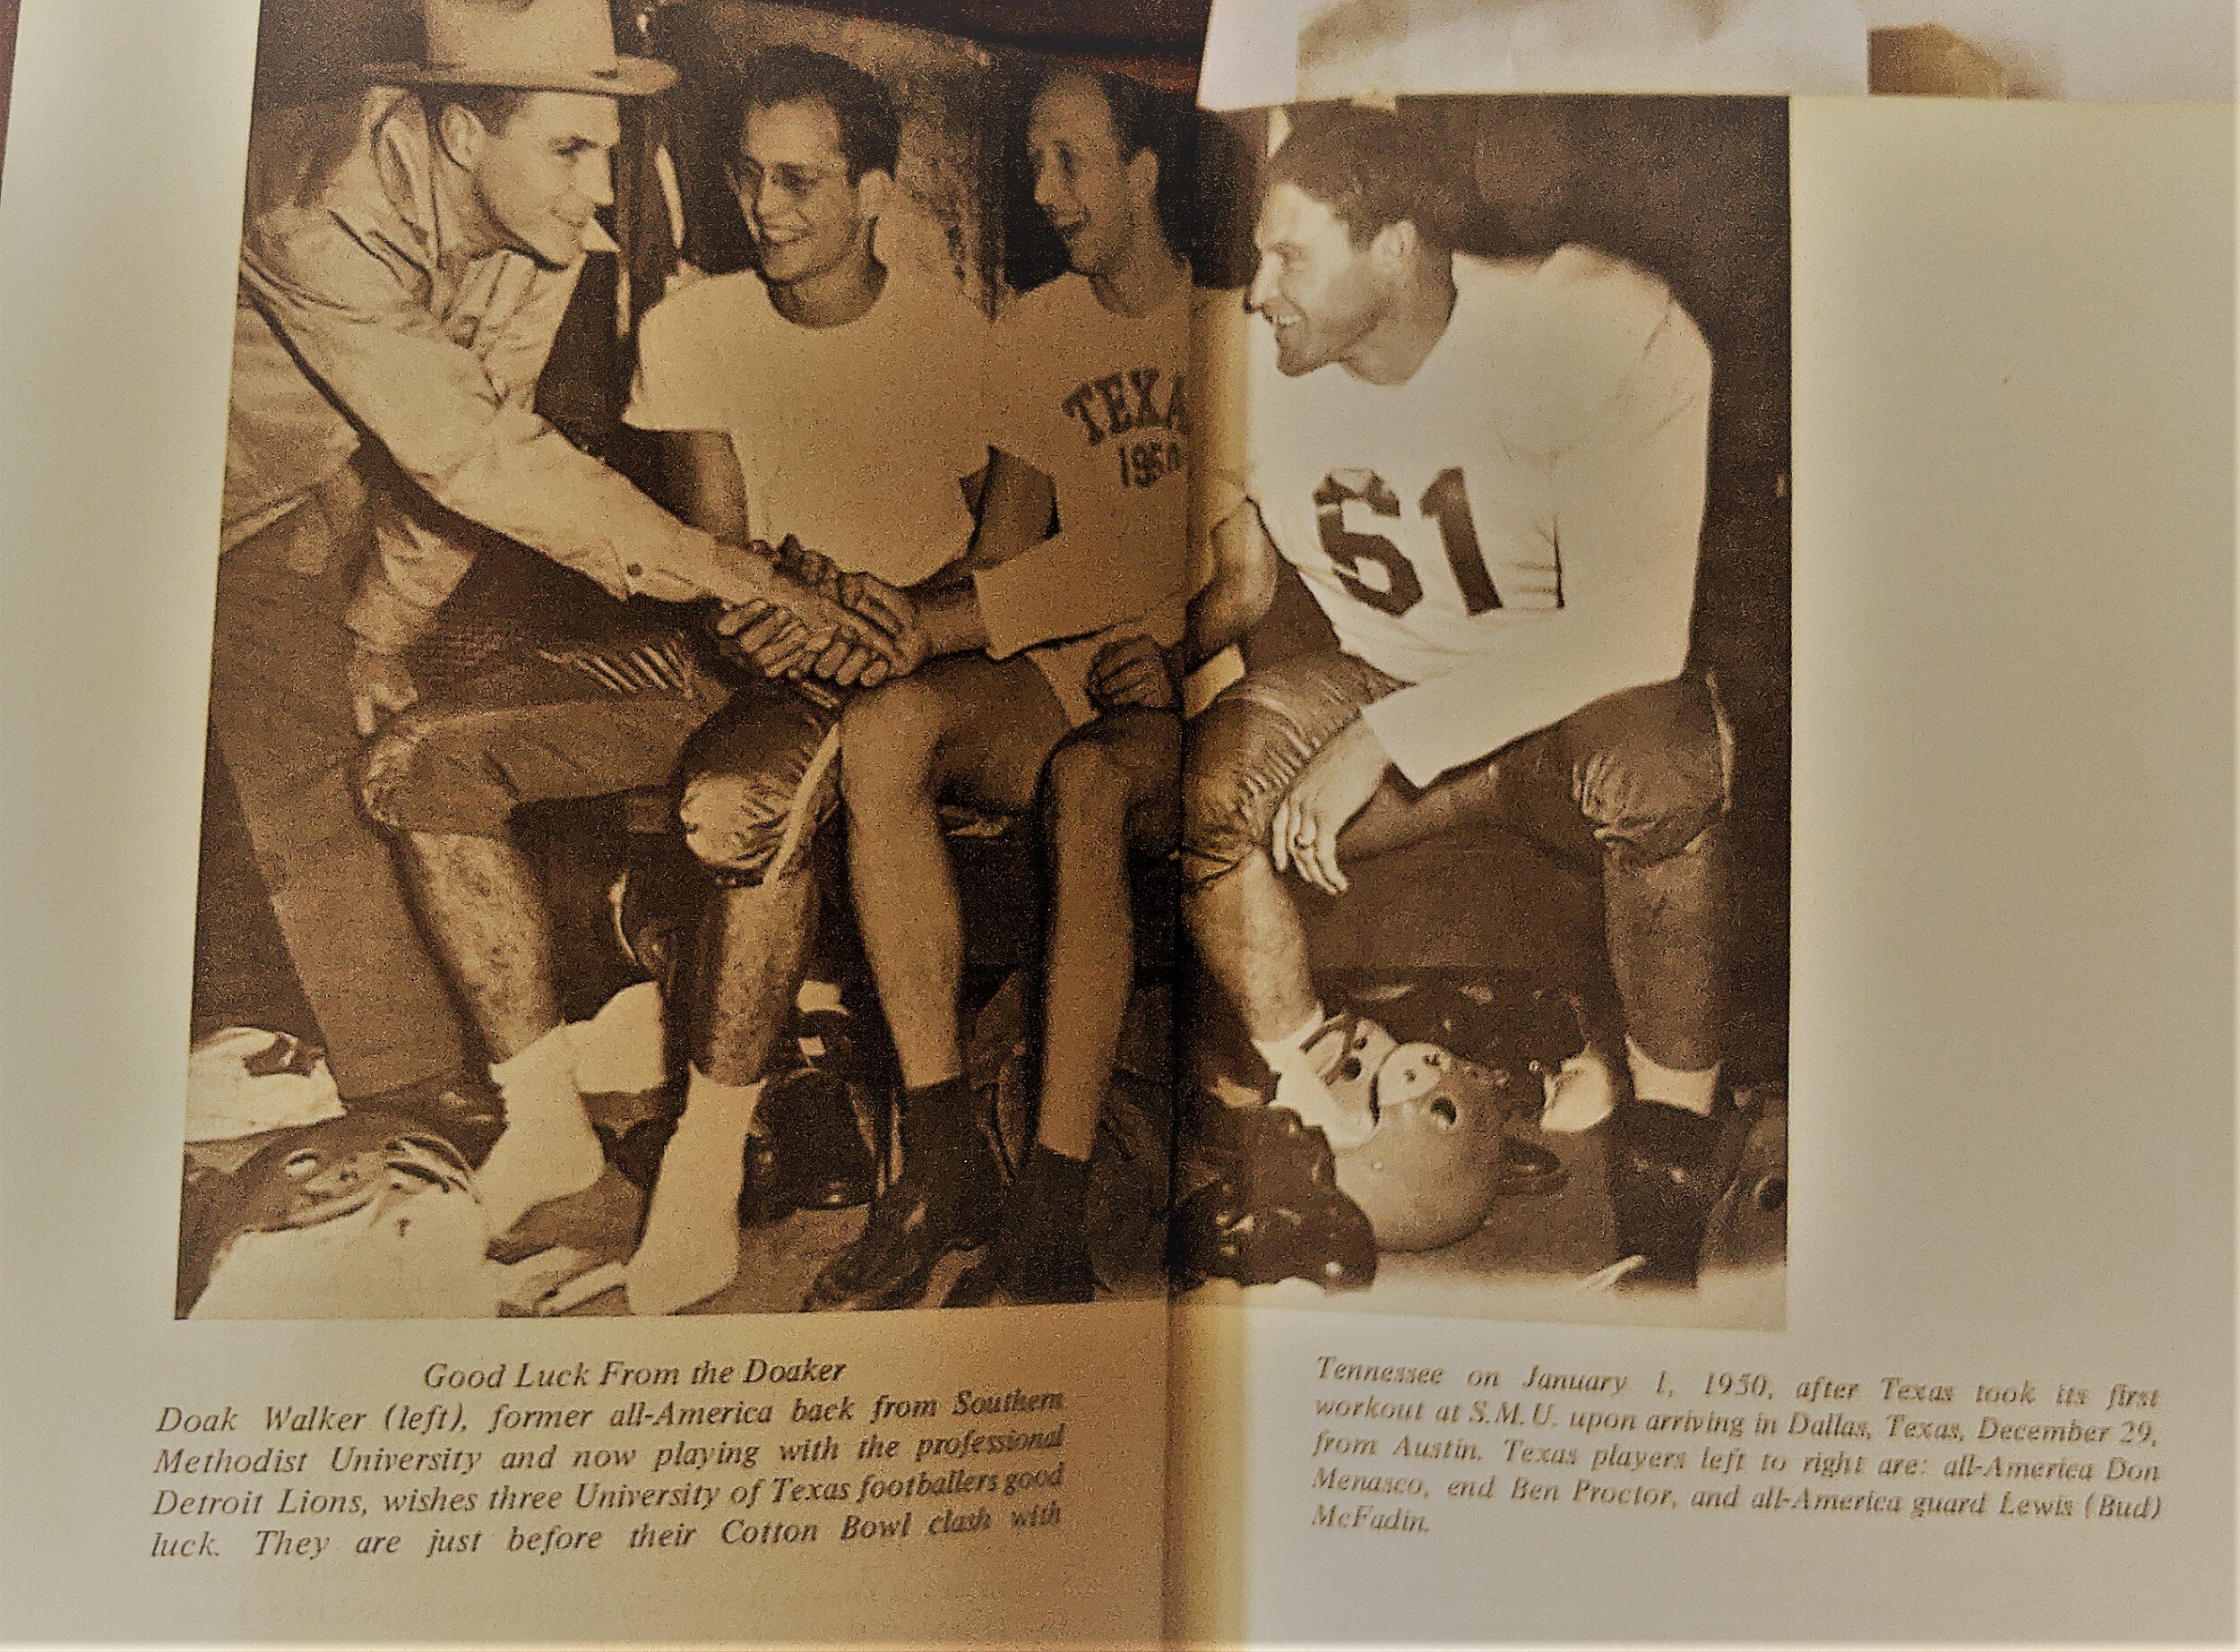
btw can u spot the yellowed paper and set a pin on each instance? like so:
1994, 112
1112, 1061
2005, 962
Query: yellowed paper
2013, 964
2002, 1405
923, 1479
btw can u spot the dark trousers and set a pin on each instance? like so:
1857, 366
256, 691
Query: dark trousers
279, 712
1633, 785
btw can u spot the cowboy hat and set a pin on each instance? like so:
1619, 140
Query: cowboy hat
528, 45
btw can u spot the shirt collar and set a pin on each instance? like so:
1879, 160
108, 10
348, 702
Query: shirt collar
414, 183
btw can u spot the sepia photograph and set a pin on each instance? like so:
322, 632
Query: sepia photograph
717, 553
695, 755
1253, 716
1485, 861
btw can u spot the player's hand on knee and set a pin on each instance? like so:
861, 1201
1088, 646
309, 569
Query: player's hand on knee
661, 667
666, 664
1333, 788
1132, 671
1300, 839
380, 687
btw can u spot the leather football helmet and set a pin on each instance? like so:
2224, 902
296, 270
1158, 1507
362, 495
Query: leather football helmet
1346, 1054
1428, 1172
368, 1216
1272, 1209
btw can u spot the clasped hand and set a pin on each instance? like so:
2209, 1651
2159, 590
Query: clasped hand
849, 629
1133, 671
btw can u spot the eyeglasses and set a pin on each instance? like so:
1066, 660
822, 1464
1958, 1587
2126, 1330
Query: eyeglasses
795, 182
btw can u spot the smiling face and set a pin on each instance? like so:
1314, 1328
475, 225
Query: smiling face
1322, 293
540, 175
1095, 199
804, 217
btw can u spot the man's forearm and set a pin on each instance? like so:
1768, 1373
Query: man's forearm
739, 574
1241, 592
473, 449
1017, 507
1219, 617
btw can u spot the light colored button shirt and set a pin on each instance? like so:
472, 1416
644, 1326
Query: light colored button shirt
357, 319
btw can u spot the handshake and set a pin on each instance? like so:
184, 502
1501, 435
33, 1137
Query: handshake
851, 630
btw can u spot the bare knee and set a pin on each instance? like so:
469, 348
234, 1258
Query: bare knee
1088, 793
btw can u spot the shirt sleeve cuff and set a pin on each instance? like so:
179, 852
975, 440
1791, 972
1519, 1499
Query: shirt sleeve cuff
384, 620
1418, 730
687, 565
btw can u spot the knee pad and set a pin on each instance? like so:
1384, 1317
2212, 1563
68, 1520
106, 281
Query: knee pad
1650, 800
1231, 786
430, 774
753, 822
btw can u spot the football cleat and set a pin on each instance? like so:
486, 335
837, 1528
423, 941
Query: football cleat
939, 1204
370, 1215
824, 1163
1273, 1210
1667, 1173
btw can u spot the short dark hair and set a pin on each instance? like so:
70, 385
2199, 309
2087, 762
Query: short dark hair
494, 106
1146, 118
1372, 168
1139, 120
870, 131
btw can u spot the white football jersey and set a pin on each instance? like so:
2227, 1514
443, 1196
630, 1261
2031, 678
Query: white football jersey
1533, 492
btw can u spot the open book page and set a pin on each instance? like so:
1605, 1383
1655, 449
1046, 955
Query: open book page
1879, 1287
592, 434
1924, 1335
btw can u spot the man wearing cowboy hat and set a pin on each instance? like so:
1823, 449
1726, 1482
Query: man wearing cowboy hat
401, 287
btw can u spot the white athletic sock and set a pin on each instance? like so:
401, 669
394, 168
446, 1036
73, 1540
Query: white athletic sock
549, 1149
816, 998
1302, 1090
1580, 1095
691, 1247
1692, 1092
1279, 1053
